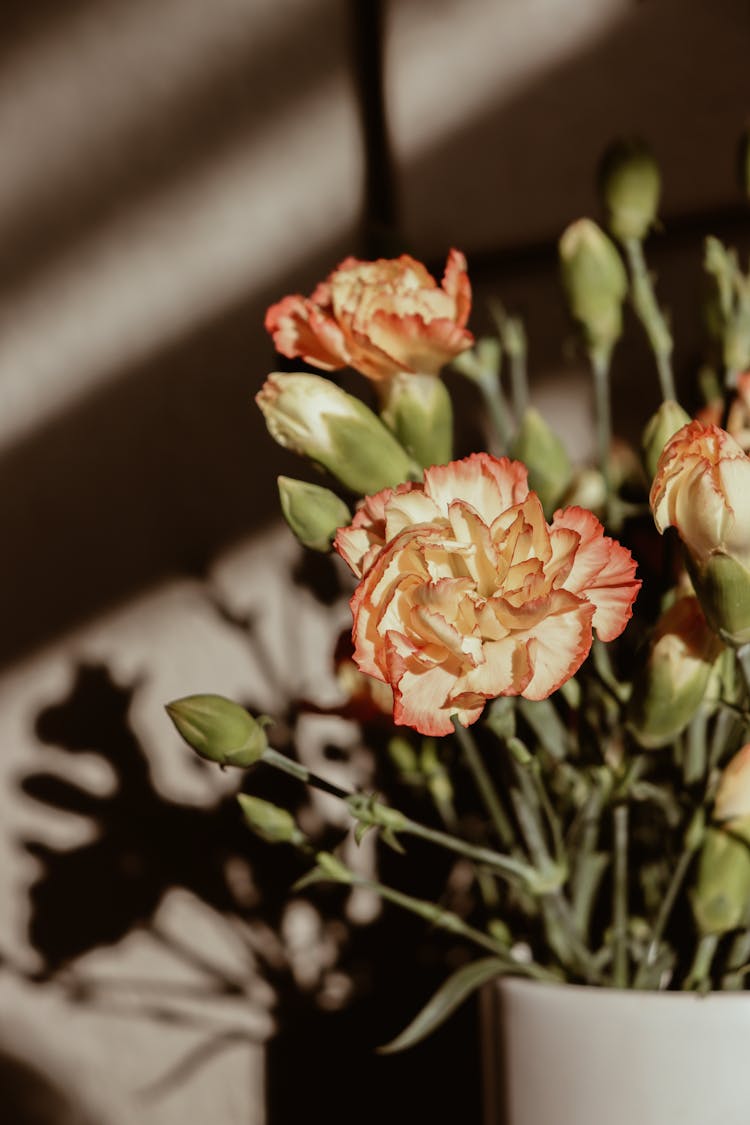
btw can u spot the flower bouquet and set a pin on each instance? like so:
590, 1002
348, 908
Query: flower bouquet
567, 645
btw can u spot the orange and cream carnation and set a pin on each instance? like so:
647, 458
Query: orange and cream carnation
381, 318
702, 488
466, 593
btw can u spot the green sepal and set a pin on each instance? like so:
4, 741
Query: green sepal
448, 997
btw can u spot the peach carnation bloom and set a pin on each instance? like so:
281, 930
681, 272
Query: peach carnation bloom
702, 488
379, 317
466, 593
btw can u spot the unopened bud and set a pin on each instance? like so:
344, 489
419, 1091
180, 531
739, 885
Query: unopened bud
721, 895
314, 417
314, 513
272, 824
670, 687
417, 409
661, 426
732, 804
630, 185
546, 458
723, 585
595, 283
219, 730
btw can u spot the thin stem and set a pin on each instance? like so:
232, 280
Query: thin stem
737, 967
447, 920
489, 385
652, 950
506, 865
743, 661
369, 811
603, 411
651, 316
699, 977
295, 769
696, 749
559, 918
620, 902
484, 785
514, 341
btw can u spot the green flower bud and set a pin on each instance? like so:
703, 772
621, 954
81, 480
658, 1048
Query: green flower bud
417, 408
661, 426
630, 185
272, 824
219, 730
314, 417
313, 513
723, 585
546, 458
595, 283
670, 687
721, 895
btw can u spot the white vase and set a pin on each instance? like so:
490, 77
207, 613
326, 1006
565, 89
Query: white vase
572, 1055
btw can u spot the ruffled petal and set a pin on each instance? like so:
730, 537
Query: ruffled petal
300, 329
603, 572
490, 485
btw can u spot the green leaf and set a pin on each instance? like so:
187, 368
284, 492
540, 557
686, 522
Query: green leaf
448, 997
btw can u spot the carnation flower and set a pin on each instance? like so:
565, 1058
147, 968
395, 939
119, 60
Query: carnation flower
702, 488
380, 317
466, 592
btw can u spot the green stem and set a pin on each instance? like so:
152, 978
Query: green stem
506, 865
651, 316
559, 919
737, 967
603, 414
514, 341
620, 899
497, 407
367, 810
295, 769
452, 923
696, 749
484, 785
652, 950
699, 977
743, 662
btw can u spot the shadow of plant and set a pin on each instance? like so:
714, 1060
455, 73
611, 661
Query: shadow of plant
98, 892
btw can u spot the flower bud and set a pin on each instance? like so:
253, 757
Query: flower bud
671, 685
546, 458
721, 895
595, 283
702, 488
630, 184
314, 417
219, 730
418, 410
661, 426
723, 586
272, 824
732, 804
314, 513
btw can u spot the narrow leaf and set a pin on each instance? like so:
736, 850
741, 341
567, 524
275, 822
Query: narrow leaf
448, 997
